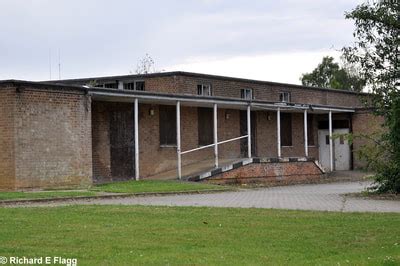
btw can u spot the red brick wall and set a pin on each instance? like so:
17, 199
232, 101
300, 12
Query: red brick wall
52, 139
272, 173
266, 92
7, 156
364, 123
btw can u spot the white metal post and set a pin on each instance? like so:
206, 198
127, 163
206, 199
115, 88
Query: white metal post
178, 138
278, 122
216, 134
330, 141
136, 129
305, 133
248, 132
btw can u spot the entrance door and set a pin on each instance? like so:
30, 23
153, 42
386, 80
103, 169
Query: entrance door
243, 131
323, 144
121, 144
341, 150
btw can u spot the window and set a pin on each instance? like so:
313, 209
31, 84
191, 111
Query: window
327, 139
113, 85
310, 129
134, 85
129, 86
284, 97
139, 85
204, 89
246, 94
167, 125
205, 126
286, 129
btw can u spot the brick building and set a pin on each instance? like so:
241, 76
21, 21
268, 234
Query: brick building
71, 133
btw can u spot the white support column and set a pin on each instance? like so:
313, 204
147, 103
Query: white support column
216, 134
248, 132
136, 128
331, 142
178, 138
305, 134
278, 122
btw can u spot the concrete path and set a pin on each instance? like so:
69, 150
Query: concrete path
322, 197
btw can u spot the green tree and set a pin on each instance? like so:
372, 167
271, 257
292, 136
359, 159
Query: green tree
329, 74
376, 51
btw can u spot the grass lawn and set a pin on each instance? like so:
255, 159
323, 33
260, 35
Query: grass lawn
117, 187
44, 194
131, 235
154, 186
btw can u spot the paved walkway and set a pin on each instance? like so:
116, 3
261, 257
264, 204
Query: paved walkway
322, 197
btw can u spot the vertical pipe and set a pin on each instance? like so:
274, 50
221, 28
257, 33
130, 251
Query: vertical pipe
178, 138
216, 134
278, 122
330, 141
248, 132
305, 133
136, 121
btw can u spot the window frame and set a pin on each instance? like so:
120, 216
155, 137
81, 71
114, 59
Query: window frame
282, 97
137, 81
201, 88
244, 94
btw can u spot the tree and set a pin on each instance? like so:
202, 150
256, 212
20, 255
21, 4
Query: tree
329, 74
376, 51
145, 65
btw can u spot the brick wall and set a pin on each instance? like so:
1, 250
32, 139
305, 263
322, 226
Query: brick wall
265, 92
7, 156
52, 139
364, 122
271, 173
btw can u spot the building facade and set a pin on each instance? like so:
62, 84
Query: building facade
71, 133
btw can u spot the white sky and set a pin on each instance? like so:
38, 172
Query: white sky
259, 39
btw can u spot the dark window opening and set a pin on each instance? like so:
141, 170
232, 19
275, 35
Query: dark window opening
139, 86
129, 86
167, 125
335, 124
113, 85
310, 129
327, 139
286, 129
205, 126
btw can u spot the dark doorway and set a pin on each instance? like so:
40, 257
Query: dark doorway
122, 143
243, 131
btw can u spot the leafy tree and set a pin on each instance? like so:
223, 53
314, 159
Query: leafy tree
329, 74
376, 51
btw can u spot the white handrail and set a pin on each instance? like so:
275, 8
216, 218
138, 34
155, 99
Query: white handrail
212, 145
225, 141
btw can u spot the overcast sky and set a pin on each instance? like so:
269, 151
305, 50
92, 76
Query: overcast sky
266, 39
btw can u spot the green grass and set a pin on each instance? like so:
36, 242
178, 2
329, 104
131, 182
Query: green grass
132, 235
154, 186
117, 187
44, 194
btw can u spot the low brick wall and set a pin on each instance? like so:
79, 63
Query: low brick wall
270, 173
